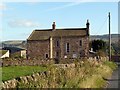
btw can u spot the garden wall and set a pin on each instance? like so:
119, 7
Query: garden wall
55, 77
24, 62
116, 58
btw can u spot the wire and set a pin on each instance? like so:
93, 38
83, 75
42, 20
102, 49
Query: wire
100, 29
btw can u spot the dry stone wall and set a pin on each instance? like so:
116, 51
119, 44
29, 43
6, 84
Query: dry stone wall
37, 77
25, 79
43, 78
34, 62
24, 62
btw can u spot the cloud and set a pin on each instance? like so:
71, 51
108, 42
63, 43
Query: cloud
23, 23
77, 2
64, 6
3, 6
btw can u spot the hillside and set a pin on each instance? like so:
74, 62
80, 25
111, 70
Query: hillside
14, 43
114, 37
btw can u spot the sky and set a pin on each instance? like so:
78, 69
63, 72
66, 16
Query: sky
19, 19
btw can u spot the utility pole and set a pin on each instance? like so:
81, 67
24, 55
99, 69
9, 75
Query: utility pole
109, 39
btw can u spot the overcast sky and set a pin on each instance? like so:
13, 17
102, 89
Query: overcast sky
19, 19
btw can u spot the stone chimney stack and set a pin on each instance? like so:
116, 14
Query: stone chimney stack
53, 26
87, 26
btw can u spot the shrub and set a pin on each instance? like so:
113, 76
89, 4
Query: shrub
101, 53
111, 64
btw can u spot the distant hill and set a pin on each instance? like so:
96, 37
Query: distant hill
15, 43
114, 37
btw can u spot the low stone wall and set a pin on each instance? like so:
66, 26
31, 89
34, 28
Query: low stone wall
30, 78
115, 58
24, 62
42, 75
68, 61
24, 79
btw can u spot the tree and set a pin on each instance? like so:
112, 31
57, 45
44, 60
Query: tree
98, 45
112, 49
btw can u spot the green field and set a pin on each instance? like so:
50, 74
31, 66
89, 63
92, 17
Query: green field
17, 71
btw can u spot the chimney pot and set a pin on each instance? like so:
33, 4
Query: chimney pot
87, 24
53, 26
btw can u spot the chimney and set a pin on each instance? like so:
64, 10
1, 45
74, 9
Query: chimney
87, 26
53, 26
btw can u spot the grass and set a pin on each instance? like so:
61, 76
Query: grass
111, 64
17, 71
3, 51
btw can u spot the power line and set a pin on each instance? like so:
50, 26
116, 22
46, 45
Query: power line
100, 29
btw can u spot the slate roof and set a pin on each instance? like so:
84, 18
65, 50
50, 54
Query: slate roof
47, 33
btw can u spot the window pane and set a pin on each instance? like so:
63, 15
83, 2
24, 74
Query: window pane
46, 55
67, 47
80, 42
57, 43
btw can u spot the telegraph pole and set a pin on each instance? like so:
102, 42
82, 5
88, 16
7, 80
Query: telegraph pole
109, 39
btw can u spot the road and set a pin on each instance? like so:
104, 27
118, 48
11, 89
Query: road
114, 81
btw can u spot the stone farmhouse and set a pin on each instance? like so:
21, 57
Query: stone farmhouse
59, 43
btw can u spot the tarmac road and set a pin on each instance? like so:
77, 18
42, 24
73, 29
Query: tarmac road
114, 81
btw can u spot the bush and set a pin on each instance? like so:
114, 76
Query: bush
111, 64
101, 53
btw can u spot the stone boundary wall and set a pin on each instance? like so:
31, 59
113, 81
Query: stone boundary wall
24, 79
24, 62
116, 58
34, 77
68, 61
34, 62
38, 76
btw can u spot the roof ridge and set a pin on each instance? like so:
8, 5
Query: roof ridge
60, 29
43, 30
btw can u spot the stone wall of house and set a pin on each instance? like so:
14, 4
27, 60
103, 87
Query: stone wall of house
38, 49
75, 48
